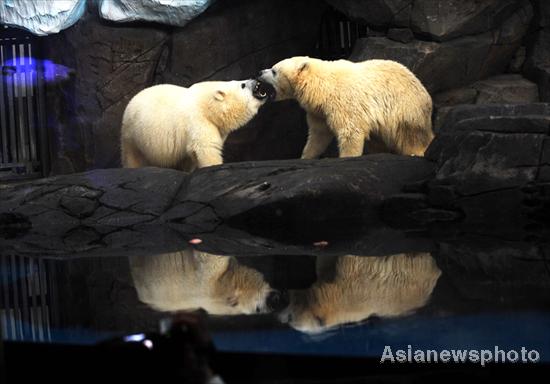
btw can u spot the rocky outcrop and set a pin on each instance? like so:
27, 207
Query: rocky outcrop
453, 63
376, 12
41, 17
501, 89
445, 20
439, 20
177, 13
152, 210
537, 66
496, 157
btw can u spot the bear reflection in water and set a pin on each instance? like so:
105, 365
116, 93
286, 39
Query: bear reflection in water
350, 289
189, 280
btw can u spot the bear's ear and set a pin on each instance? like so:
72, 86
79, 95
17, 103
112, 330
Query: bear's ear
220, 95
303, 66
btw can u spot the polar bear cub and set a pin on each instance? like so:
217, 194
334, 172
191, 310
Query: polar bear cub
380, 101
188, 280
185, 128
358, 287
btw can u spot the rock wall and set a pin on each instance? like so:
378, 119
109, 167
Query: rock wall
465, 52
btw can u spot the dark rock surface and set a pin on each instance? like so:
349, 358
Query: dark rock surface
493, 156
439, 20
376, 12
443, 20
402, 35
453, 63
111, 65
152, 210
537, 66
501, 89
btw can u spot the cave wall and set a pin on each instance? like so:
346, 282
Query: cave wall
466, 52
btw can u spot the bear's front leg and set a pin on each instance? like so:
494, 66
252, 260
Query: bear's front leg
319, 137
207, 157
350, 144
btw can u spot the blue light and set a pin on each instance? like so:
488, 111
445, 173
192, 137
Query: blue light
52, 72
138, 337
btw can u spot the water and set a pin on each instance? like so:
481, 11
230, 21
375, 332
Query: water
299, 298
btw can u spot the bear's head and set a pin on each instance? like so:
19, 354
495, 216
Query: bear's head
232, 104
287, 75
241, 290
188, 280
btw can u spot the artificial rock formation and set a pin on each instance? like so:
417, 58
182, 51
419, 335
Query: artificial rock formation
177, 13
486, 173
153, 210
450, 64
501, 89
41, 17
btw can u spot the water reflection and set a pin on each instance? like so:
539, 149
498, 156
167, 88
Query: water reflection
190, 279
350, 289
462, 294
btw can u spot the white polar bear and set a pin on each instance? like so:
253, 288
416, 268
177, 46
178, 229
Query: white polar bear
185, 128
352, 288
380, 101
190, 279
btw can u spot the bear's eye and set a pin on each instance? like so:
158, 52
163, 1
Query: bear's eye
243, 85
232, 301
274, 72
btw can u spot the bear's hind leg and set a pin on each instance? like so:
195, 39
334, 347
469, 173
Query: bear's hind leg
375, 145
319, 137
414, 142
131, 156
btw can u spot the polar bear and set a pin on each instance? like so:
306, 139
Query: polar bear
185, 128
380, 101
358, 287
190, 279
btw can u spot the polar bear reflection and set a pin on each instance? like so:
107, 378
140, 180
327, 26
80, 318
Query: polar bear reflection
190, 279
361, 287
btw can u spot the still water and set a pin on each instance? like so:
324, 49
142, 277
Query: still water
454, 294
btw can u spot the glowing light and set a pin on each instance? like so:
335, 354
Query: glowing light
148, 343
135, 338
52, 72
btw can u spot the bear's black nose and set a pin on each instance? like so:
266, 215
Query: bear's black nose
277, 300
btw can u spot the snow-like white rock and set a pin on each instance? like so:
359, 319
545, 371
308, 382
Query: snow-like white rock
41, 17
171, 12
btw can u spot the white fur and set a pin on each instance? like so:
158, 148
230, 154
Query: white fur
360, 287
190, 279
184, 128
380, 101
